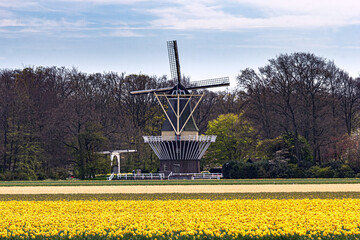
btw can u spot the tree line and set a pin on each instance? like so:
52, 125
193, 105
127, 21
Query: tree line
305, 115
55, 120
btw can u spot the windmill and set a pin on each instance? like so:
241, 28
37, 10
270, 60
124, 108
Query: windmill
180, 147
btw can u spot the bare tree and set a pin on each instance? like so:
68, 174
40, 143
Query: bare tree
292, 94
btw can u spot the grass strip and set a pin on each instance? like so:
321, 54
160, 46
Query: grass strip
178, 196
179, 182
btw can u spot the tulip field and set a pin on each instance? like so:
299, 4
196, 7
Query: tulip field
181, 216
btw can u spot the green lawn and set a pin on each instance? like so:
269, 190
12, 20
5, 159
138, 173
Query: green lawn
179, 182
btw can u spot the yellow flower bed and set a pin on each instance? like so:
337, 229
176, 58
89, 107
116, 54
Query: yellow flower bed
303, 217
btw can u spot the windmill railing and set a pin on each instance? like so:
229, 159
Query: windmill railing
201, 138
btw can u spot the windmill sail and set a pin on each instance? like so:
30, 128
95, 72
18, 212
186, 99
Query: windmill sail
174, 61
209, 83
138, 92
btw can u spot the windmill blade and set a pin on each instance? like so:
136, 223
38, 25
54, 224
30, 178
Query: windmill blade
209, 83
138, 92
174, 60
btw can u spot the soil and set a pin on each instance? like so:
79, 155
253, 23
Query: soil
183, 189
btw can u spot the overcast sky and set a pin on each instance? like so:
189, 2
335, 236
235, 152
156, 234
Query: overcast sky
215, 38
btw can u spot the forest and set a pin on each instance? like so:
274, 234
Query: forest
296, 116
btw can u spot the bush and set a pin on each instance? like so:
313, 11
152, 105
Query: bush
330, 170
285, 144
251, 170
327, 172
232, 170
279, 169
226, 169
262, 172
236, 170
8, 176
282, 169
319, 172
21, 176
296, 172
41, 175
345, 171
59, 174
262, 169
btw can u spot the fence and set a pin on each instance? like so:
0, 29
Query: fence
142, 176
161, 176
195, 176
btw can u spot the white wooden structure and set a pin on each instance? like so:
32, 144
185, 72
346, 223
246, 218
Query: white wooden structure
117, 154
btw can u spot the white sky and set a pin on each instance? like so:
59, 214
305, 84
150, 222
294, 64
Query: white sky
215, 38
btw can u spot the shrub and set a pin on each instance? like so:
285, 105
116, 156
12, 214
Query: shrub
285, 145
345, 171
311, 172
279, 169
319, 172
326, 172
235, 172
41, 175
237, 169
232, 170
262, 169
21, 176
59, 174
282, 169
295, 171
8, 176
227, 168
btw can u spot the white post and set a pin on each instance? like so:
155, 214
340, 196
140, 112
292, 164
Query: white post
118, 158
111, 159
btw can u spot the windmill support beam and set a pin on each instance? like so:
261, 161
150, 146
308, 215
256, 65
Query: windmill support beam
167, 116
192, 112
177, 113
